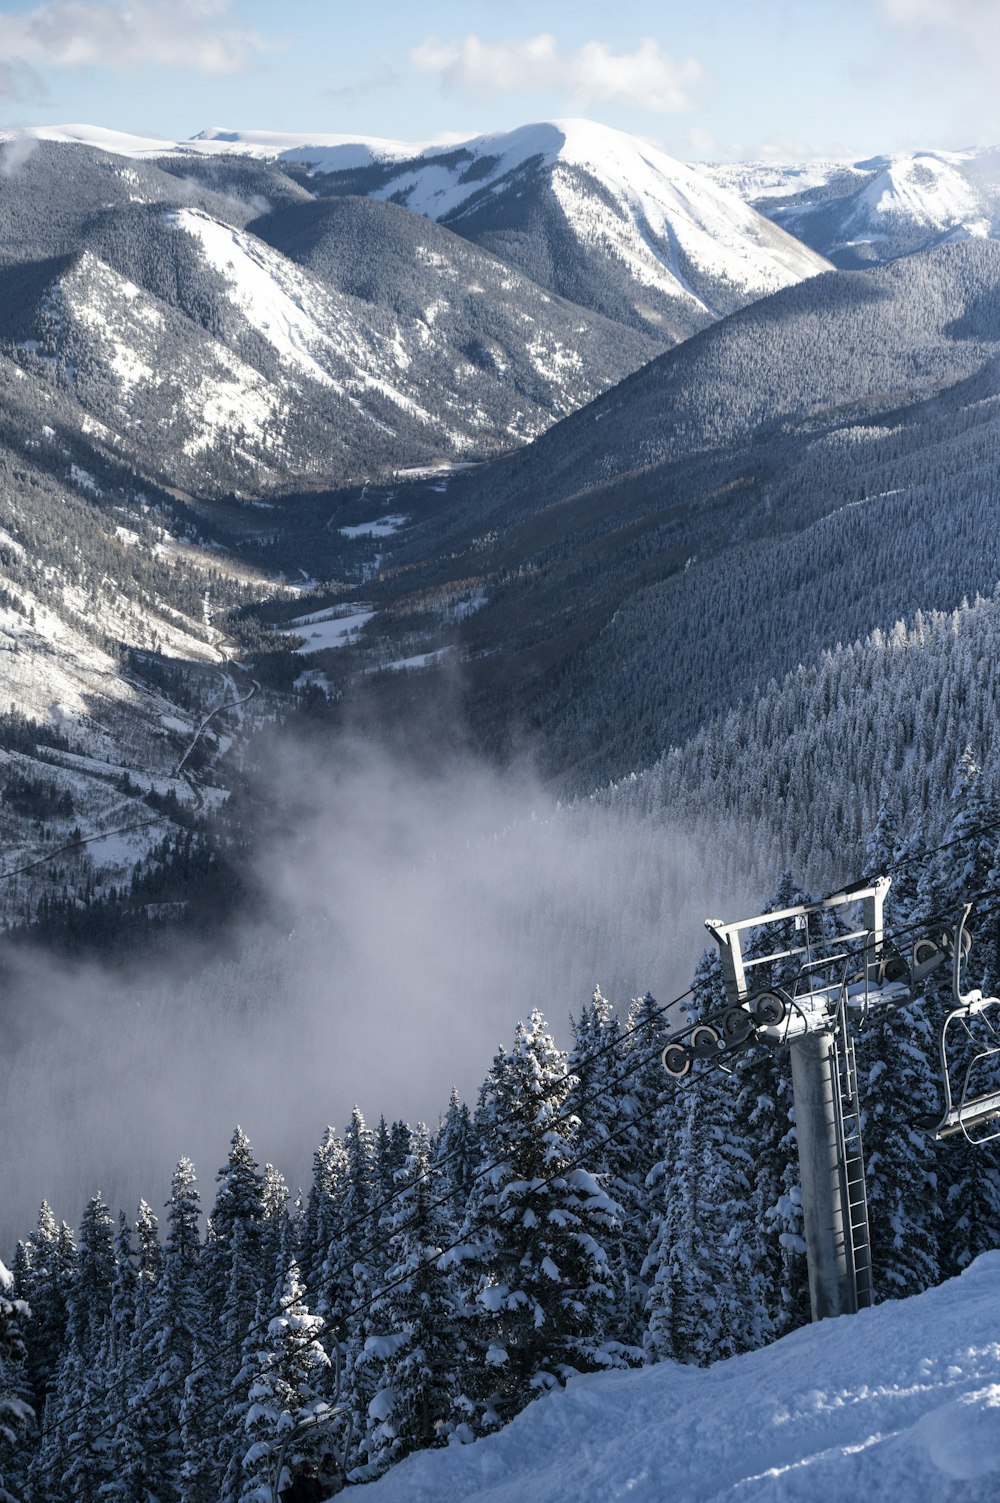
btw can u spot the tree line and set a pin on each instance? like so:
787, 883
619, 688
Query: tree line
588, 1212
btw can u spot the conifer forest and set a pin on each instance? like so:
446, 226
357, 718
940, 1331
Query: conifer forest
435, 580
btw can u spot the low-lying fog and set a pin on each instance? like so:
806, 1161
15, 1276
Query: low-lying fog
416, 918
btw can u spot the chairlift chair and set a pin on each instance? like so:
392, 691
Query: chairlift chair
969, 1048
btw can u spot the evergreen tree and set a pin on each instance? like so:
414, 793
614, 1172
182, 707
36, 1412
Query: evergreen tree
89, 1303
901, 1162
239, 1208
455, 1156
16, 1413
603, 1100
708, 1277
540, 1287
358, 1251
45, 1272
322, 1221
287, 1382
199, 1423
276, 1222
414, 1351
171, 1318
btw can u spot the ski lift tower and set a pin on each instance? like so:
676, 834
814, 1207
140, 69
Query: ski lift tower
837, 978
811, 1018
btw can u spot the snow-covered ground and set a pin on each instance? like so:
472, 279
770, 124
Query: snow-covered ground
380, 528
329, 628
899, 1403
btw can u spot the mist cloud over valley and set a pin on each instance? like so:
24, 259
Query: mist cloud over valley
415, 917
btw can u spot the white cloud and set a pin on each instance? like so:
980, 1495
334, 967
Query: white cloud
972, 23
592, 74
701, 142
128, 37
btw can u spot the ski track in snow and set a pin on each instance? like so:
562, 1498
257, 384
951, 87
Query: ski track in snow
898, 1403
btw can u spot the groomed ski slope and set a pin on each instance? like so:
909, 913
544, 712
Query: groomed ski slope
899, 1403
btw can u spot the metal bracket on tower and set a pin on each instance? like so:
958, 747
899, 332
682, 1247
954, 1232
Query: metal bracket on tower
811, 1017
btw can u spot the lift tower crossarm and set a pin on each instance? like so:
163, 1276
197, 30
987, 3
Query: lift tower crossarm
824, 1080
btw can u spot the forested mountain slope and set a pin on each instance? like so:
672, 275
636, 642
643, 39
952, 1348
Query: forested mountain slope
801, 773
815, 466
113, 650
599, 217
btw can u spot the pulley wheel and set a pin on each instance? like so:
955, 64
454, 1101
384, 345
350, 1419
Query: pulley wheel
924, 950
736, 1025
676, 1061
768, 1009
706, 1038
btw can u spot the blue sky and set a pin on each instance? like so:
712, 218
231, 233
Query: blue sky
721, 79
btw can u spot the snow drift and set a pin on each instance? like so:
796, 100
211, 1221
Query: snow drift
901, 1402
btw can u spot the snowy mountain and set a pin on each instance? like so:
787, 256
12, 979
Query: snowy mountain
902, 1401
216, 360
877, 209
595, 215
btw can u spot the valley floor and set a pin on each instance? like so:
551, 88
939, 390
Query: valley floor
901, 1402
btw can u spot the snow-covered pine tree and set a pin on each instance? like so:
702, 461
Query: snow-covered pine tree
602, 1099
171, 1318
276, 1222
16, 1413
285, 1397
765, 1118
539, 1283
901, 1160
321, 1223
456, 1156
231, 1436
239, 1204
707, 1296
415, 1349
89, 1301
197, 1471
356, 1264
44, 1273
131, 1473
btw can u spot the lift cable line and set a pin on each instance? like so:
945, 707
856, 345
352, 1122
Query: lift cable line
815, 1015
541, 1180
714, 1055
143, 824
329, 1281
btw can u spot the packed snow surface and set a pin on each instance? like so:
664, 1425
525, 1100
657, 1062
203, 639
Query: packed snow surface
899, 1403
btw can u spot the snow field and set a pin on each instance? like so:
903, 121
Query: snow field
898, 1403
380, 528
329, 628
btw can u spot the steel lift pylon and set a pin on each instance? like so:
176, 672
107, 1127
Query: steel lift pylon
838, 976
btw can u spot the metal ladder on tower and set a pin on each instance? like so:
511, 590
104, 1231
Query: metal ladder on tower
857, 1232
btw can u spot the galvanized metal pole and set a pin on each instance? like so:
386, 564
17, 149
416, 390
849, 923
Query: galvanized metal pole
815, 1087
